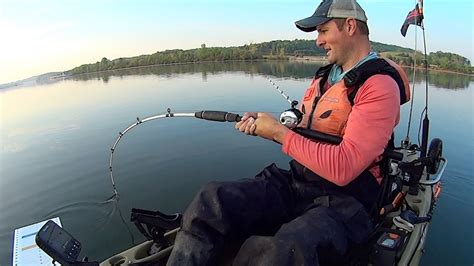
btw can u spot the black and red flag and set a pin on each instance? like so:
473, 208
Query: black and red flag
414, 17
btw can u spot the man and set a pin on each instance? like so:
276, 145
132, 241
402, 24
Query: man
315, 211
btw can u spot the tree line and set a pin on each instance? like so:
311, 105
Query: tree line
437, 60
279, 49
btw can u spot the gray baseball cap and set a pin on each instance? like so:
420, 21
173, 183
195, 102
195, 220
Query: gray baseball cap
329, 9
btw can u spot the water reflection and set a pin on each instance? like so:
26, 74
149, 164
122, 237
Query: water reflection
450, 81
274, 68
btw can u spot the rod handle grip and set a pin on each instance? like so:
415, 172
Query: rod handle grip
218, 116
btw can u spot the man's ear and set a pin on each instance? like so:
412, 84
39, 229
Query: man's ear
351, 26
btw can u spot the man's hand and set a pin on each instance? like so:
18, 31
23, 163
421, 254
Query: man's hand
247, 123
263, 125
266, 126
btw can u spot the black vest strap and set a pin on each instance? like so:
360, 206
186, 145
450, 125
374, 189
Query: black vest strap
357, 76
323, 73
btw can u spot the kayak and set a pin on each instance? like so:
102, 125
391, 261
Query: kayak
398, 238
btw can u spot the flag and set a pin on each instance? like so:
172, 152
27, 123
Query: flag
414, 17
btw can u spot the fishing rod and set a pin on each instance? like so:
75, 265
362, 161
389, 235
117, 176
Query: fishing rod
426, 121
289, 118
218, 116
406, 141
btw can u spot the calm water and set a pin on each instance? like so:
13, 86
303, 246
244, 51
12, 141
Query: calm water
55, 142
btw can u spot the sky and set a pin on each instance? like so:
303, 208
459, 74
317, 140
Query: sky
40, 36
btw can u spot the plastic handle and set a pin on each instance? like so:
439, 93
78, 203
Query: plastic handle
218, 116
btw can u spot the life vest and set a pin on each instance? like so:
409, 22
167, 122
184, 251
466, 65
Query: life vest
326, 109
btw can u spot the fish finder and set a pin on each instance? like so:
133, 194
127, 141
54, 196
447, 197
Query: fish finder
60, 245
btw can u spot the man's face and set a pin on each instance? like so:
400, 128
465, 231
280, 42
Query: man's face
333, 40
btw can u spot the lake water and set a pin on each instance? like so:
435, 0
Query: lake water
56, 140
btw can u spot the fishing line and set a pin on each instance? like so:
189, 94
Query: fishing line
122, 219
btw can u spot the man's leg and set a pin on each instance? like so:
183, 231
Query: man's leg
223, 209
321, 235
297, 242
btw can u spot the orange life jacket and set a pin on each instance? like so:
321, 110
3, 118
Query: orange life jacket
327, 109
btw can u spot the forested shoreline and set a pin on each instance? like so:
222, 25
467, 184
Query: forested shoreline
279, 49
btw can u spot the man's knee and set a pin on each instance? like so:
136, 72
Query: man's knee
319, 227
208, 193
267, 250
219, 191
206, 203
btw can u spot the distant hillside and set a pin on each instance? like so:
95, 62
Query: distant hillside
382, 47
35, 80
278, 49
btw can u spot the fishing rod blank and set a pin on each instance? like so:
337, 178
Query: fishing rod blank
291, 117
218, 116
293, 103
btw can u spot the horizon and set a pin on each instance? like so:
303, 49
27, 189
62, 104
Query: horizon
57, 36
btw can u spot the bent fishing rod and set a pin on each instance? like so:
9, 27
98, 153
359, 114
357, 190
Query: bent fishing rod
289, 118
218, 116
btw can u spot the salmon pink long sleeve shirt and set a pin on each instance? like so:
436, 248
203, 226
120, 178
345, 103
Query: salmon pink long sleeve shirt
370, 124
